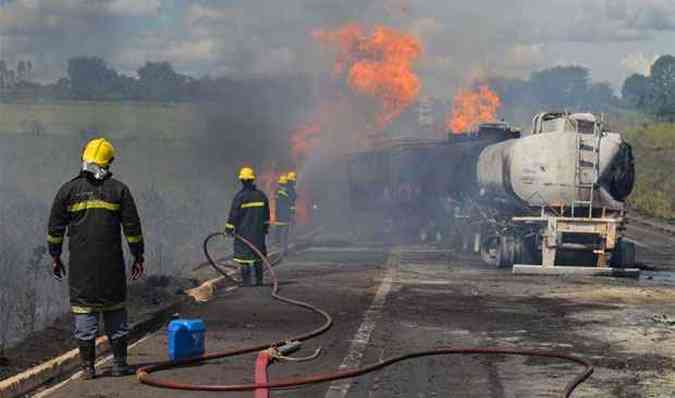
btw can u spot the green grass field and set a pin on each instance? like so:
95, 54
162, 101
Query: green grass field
114, 119
653, 143
654, 150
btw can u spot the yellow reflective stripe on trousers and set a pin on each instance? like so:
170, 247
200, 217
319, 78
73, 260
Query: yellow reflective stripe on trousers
54, 239
229, 226
135, 239
252, 204
81, 309
93, 204
244, 262
283, 193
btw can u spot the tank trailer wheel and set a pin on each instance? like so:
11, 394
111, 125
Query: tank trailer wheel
489, 250
508, 251
623, 255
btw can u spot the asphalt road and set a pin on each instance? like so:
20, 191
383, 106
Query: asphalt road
389, 301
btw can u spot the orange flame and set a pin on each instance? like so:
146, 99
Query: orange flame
378, 64
471, 108
303, 140
303, 215
266, 182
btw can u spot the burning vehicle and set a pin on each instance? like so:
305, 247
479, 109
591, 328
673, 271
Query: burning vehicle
556, 192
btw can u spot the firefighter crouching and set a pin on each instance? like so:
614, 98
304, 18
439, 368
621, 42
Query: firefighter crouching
283, 214
91, 208
249, 218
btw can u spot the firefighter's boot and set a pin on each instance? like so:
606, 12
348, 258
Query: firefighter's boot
246, 278
258, 273
87, 358
119, 349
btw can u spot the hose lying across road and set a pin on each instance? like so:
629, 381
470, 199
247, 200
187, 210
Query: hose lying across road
144, 376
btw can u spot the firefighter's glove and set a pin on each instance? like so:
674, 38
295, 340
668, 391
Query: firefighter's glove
137, 269
58, 270
229, 232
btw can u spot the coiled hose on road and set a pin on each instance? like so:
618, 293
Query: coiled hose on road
144, 373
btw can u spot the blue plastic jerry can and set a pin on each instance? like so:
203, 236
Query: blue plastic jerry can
186, 338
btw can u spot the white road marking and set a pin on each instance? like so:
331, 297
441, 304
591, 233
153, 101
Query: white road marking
77, 375
340, 388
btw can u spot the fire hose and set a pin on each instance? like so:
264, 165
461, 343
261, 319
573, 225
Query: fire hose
144, 373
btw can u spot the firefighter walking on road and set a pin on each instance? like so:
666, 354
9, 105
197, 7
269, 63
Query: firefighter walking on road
91, 209
249, 218
283, 214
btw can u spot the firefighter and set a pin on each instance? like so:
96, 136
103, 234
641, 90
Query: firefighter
291, 177
249, 218
283, 213
90, 209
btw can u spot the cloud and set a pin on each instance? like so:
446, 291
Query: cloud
135, 8
239, 37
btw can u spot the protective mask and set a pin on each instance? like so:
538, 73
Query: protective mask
97, 171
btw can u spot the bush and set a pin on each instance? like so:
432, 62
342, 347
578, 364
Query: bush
654, 149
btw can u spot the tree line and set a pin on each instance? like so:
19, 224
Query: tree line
92, 79
9, 77
561, 87
653, 94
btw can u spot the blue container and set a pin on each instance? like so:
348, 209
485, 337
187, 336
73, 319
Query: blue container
186, 338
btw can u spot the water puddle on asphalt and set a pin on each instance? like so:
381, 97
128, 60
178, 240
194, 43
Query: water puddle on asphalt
657, 278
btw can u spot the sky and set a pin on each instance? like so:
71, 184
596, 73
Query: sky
462, 40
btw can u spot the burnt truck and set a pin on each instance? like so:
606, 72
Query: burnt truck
552, 196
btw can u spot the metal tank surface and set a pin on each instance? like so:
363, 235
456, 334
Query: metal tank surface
557, 197
556, 164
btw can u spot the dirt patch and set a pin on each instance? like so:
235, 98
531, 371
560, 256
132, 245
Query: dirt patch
621, 295
144, 298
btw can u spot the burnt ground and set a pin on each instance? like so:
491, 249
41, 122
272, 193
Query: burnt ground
437, 298
144, 298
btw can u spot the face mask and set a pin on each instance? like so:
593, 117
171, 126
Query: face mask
97, 171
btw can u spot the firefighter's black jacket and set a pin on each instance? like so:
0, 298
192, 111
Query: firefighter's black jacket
91, 212
249, 217
292, 195
283, 206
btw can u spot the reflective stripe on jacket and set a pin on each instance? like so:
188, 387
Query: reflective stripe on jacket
92, 214
283, 206
249, 217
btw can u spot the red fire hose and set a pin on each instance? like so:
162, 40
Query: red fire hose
143, 373
261, 365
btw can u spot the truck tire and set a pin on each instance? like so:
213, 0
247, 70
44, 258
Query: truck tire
528, 253
507, 252
623, 255
489, 250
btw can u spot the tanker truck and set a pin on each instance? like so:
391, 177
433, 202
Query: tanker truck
551, 196
556, 195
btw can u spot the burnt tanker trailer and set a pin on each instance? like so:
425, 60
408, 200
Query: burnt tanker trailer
552, 197
558, 194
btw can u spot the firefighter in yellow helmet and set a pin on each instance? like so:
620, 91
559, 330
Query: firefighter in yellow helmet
249, 218
91, 209
291, 177
283, 213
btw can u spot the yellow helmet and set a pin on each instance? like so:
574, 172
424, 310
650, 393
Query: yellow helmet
98, 151
246, 173
291, 176
282, 180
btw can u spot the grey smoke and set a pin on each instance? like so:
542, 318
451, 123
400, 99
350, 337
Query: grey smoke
462, 39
